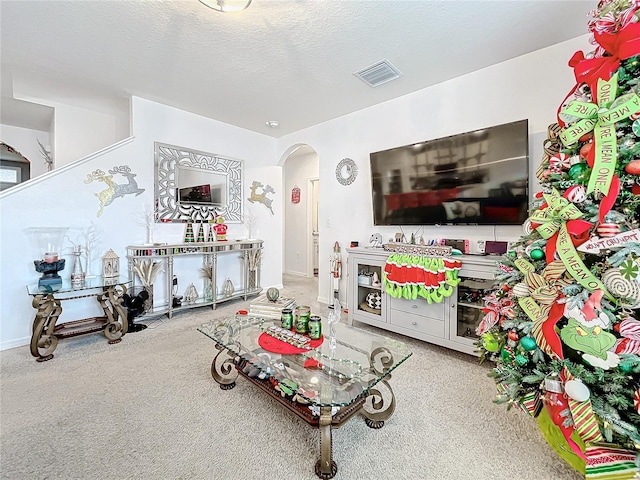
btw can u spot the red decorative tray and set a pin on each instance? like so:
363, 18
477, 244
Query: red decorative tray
274, 345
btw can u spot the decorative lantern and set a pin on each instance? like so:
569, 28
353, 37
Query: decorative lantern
110, 265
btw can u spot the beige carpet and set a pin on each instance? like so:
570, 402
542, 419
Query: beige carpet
147, 408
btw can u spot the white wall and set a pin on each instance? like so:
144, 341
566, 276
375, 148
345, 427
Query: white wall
25, 141
531, 86
80, 132
62, 198
298, 171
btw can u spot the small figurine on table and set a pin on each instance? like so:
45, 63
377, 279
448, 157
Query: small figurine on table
220, 229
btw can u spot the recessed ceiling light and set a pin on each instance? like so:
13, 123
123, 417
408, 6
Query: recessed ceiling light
272, 123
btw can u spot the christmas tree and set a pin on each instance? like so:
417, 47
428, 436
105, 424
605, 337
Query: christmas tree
563, 321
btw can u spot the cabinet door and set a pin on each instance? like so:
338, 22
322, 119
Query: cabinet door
368, 297
467, 304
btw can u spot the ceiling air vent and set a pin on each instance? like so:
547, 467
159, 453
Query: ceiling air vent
378, 73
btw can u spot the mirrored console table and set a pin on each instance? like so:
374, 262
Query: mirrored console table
46, 331
248, 252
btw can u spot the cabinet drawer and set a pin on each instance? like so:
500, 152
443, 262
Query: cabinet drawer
418, 323
418, 306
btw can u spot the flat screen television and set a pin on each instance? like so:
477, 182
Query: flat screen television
474, 178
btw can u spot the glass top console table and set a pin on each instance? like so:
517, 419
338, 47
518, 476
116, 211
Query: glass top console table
46, 333
325, 386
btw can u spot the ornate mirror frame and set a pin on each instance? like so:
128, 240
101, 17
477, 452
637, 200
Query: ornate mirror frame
170, 209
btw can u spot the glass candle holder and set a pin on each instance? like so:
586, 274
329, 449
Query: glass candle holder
48, 242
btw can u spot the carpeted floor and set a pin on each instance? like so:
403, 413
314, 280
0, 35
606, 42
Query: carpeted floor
147, 408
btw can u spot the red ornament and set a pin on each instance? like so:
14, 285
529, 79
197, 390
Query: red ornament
513, 335
636, 400
586, 137
585, 149
633, 167
295, 195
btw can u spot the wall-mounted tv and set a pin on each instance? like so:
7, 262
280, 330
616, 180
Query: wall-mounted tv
473, 178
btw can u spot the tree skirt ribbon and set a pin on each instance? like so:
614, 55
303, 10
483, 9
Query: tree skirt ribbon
410, 276
606, 462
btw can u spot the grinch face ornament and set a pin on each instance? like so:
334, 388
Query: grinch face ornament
591, 340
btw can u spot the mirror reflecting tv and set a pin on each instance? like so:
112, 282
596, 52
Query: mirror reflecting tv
196, 185
478, 177
201, 187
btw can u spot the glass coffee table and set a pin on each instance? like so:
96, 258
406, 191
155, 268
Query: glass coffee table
323, 382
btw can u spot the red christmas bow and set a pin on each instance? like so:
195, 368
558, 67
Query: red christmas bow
620, 46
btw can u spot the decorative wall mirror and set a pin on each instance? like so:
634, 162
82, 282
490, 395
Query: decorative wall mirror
196, 185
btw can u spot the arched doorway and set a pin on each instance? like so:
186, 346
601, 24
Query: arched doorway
301, 232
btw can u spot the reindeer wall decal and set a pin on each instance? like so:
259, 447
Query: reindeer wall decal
261, 197
114, 190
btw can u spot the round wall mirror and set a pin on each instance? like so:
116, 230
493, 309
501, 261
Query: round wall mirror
346, 171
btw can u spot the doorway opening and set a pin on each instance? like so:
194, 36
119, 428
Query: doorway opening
301, 232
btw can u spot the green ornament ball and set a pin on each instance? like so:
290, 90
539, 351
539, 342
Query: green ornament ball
635, 126
521, 360
528, 343
576, 170
536, 254
625, 367
490, 343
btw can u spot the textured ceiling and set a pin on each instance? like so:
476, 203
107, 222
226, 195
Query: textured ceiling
290, 60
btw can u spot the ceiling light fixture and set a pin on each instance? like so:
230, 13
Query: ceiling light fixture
227, 5
272, 123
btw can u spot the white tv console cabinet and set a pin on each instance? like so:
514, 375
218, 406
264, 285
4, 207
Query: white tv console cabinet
451, 324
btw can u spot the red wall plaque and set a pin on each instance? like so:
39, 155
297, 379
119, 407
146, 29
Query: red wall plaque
295, 195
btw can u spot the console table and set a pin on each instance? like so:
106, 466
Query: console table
246, 250
323, 386
108, 292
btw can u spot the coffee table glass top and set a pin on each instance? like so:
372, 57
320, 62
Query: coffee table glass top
323, 376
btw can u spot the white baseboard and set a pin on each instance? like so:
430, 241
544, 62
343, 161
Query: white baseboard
18, 342
297, 274
324, 300
327, 301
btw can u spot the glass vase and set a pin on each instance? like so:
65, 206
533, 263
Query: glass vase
77, 274
208, 291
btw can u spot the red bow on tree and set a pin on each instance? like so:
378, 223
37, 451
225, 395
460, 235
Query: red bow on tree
620, 46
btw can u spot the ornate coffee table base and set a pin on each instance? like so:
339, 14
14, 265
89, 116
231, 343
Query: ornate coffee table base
223, 369
226, 368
